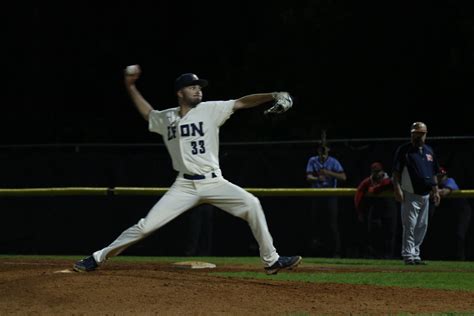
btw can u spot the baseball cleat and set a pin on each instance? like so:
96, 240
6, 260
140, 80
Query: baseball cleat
85, 265
420, 262
409, 262
283, 263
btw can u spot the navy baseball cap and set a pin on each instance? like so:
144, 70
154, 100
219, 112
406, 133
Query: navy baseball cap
189, 79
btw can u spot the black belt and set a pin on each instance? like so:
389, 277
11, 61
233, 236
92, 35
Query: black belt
197, 176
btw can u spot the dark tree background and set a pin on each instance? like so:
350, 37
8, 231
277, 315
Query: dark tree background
358, 69
355, 68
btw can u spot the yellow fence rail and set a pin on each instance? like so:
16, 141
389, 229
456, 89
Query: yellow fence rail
70, 191
149, 191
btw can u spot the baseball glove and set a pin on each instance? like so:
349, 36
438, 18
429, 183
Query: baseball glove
283, 102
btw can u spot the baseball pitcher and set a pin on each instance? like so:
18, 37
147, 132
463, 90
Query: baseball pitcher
190, 132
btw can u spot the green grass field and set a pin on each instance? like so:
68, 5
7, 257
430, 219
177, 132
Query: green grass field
436, 275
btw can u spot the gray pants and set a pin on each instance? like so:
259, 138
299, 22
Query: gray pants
414, 214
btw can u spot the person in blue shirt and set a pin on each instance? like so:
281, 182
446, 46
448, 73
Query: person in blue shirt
414, 182
456, 215
324, 171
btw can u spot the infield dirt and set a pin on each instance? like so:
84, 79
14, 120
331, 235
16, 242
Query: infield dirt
36, 287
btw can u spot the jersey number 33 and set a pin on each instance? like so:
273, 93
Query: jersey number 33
198, 147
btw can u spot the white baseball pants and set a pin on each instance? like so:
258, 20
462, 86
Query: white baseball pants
185, 194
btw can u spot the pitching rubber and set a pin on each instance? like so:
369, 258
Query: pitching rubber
194, 265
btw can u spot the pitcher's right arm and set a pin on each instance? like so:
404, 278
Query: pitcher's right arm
141, 104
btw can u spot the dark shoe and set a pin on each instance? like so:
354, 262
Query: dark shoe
283, 263
420, 262
410, 262
85, 265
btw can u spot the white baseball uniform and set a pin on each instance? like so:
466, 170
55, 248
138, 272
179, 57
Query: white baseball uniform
193, 144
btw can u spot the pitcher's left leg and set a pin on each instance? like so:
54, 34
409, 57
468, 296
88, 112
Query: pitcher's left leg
238, 202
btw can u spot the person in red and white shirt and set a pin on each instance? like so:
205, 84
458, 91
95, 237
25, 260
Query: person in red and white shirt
379, 213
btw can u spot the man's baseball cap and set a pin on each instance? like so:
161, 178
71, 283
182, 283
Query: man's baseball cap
442, 171
376, 166
189, 79
418, 127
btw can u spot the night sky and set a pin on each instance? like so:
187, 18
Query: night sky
358, 70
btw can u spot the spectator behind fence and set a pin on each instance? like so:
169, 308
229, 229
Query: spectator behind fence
379, 213
456, 214
414, 181
324, 171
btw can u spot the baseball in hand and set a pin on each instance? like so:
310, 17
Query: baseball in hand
132, 70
